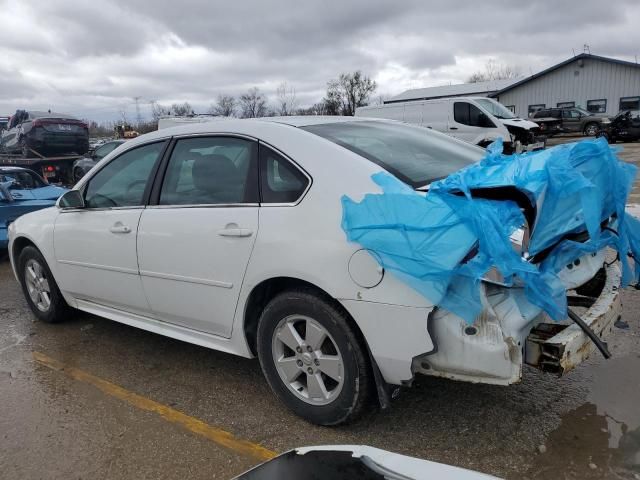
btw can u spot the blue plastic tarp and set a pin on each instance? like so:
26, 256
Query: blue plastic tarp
442, 244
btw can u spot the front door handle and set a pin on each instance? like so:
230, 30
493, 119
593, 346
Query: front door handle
453, 128
235, 232
120, 227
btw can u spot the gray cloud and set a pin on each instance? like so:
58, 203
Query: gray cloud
92, 58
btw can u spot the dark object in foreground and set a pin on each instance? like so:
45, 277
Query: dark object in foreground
602, 346
347, 462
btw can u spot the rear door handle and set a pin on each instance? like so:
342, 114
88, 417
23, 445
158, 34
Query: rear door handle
119, 227
453, 128
235, 232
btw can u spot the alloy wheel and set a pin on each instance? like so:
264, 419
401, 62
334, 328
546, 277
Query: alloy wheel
37, 285
307, 359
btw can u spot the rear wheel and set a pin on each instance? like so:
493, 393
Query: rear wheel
591, 129
313, 359
39, 287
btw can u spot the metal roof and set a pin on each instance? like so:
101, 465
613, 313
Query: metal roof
582, 56
460, 89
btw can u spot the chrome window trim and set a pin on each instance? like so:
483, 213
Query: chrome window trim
205, 205
295, 165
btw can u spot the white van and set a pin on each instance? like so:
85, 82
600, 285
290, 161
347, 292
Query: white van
477, 120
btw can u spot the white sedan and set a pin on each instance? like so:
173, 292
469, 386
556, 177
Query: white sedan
227, 235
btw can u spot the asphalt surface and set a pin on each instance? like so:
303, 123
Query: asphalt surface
89, 416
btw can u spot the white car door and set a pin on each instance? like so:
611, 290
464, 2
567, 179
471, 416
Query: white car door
194, 244
468, 122
95, 246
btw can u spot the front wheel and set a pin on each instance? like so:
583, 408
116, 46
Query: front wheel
24, 148
312, 358
39, 287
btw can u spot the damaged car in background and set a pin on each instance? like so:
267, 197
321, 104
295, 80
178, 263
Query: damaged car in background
347, 254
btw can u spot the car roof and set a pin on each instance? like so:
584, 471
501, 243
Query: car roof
306, 120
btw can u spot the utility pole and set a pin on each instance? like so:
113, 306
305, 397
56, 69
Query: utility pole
138, 117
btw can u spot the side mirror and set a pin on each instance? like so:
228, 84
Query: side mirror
71, 199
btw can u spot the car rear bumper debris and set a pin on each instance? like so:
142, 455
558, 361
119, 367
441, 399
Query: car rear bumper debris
560, 347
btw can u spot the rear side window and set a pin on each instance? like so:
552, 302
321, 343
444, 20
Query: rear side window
468, 114
280, 180
123, 181
210, 171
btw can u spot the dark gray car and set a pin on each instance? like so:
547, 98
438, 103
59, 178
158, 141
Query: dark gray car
83, 165
45, 133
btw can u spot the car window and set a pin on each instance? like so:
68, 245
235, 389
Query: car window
280, 181
210, 171
468, 114
122, 182
570, 113
21, 180
413, 154
106, 149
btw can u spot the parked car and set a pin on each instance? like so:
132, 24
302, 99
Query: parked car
46, 133
83, 165
569, 120
22, 191
349, 462
624, 127
477, 120
228, 235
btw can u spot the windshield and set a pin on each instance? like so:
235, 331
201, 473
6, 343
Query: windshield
21, 180
415, 155
583, 111
494, 108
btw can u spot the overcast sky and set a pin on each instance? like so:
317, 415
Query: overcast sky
92, 57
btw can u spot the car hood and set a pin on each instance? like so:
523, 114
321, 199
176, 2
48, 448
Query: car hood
50, 192
519, 122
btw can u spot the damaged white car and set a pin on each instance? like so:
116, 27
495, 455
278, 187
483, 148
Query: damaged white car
228, 235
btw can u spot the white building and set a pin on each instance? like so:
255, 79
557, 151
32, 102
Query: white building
599, 84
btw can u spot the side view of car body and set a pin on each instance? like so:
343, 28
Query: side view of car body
46, 133
22, 191
228, 235
624, 127
83, 165
569, 120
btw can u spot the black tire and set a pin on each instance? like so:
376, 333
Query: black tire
357, 387
591, 127
58, 309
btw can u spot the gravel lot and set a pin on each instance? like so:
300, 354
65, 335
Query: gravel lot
63, 423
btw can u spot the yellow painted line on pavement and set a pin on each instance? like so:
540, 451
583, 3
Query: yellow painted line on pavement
217, 435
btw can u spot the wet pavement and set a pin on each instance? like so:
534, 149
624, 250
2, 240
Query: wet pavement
57, 426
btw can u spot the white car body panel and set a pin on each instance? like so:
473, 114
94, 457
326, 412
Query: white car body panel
191, 273
95, 264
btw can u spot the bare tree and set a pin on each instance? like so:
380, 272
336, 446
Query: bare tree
158, 110
349, 91
253, 104
287, 101
225, 106
181, 109
494, 71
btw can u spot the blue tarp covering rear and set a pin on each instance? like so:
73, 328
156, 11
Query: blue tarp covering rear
443, 244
